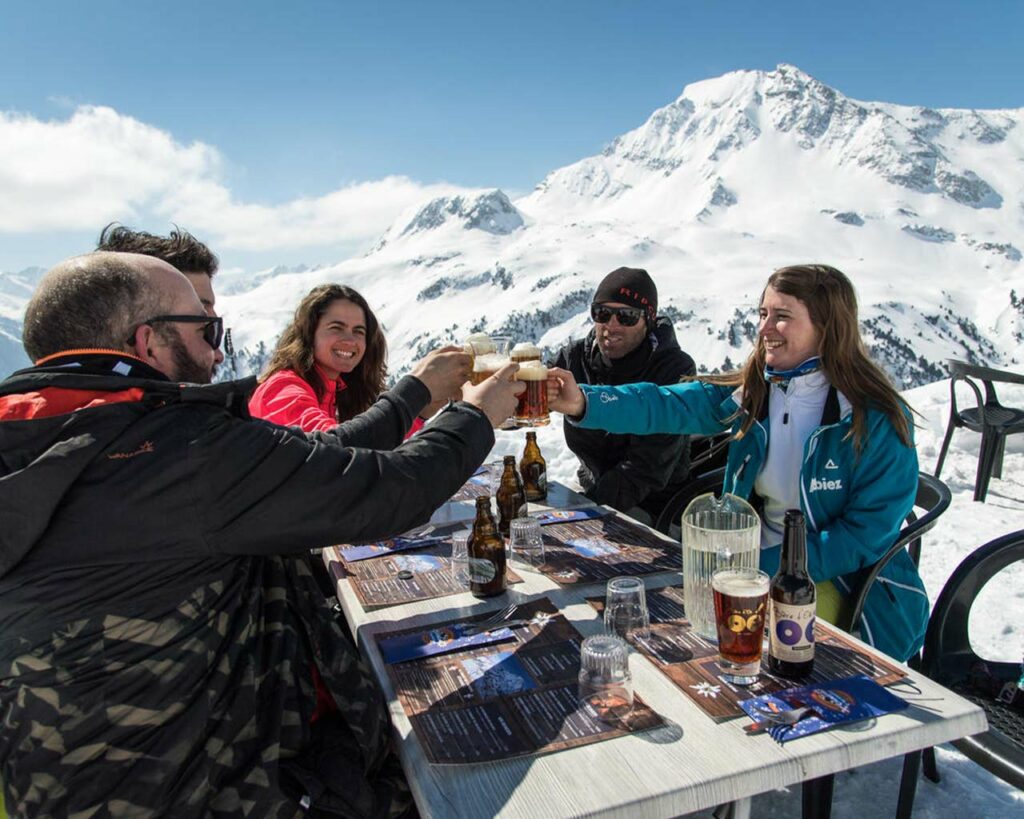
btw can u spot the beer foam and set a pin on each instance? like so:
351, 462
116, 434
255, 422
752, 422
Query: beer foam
489, 362
525, 351
532, 371
740, 585
481, 343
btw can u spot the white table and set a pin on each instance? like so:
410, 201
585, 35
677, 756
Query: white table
692, 764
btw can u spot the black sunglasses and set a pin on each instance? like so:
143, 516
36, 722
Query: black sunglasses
628, 316
213, 327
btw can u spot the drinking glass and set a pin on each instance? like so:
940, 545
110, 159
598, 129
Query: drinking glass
741, 603
526, 542
625, 608
605, 684
460, 558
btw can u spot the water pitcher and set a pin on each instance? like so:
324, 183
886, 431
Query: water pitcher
716, 533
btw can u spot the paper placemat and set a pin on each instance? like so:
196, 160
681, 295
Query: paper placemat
402, 577
507, 699
691, 662
586, 551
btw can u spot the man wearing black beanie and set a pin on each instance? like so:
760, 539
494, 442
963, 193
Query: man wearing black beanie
629, 343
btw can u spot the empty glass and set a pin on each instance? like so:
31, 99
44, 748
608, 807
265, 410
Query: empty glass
605, 684
526, 542
460, 558
625, 608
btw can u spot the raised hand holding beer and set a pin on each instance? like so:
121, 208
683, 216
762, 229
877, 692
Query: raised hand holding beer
443, 372
564, 394
497, 395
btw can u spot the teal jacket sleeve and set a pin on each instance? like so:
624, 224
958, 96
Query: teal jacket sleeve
691, 408
883, 486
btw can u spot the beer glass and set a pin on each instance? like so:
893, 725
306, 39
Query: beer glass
532, 409
526, 543
625, 608
605, 684
741, 604
715, 533
525, 351
460, 558
490, 354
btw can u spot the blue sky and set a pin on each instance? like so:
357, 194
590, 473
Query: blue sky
266, 113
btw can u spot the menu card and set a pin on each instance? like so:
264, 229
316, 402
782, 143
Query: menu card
395, 578
507, 699
691, 662
589, 550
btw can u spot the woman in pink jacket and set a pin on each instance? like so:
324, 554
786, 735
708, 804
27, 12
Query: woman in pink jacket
330, 363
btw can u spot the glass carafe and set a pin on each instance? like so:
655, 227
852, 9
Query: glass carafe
716, 533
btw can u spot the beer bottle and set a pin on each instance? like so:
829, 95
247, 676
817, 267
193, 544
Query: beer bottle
511, 496
486, 552
534, 470
792, 595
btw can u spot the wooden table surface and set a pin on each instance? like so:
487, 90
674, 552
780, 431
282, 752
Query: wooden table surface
691, 764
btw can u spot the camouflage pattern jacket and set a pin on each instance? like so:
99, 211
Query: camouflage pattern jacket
158, 621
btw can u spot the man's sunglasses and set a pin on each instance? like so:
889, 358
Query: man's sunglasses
628, 316
213, 327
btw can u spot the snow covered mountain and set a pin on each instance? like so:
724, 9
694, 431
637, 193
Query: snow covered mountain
923, 208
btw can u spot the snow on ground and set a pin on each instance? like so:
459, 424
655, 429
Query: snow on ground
996, 628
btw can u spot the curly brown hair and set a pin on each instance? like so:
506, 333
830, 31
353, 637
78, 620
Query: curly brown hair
831, 302
295, 349
180, 249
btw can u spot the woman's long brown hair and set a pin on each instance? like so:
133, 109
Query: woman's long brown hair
832, 304
294, 351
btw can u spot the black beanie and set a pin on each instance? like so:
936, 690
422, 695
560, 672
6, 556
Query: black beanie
632, 286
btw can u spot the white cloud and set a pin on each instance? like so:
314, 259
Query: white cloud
99, 166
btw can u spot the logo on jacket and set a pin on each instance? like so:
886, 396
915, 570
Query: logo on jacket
144, 448
607, 397
830, 464
822, 483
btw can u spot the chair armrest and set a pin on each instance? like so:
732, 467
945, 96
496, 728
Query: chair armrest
910, 532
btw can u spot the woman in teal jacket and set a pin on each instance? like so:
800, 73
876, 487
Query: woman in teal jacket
817, 426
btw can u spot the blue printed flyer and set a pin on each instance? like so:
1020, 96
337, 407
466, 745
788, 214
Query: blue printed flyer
439, 640
835, 702
385, 547
569, 515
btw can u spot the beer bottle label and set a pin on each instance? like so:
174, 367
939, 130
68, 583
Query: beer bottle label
791, 635
482, 570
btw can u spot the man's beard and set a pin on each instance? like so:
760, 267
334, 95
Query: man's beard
187, 369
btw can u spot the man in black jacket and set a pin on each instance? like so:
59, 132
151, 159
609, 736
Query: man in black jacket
163, 648
630, 343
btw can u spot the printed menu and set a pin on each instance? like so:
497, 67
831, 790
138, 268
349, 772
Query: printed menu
506, 699
691, 662
401, 577
586, 551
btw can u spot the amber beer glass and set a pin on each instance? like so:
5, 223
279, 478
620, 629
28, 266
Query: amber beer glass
490, 354
793, 605
532, 409
486, 551
741, 605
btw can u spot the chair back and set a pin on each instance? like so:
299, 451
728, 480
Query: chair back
673, 510
948, 655
933, 498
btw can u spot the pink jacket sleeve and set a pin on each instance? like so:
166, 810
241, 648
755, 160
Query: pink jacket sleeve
287, 399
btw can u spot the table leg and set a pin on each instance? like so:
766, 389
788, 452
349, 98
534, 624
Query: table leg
817, 797
740, 809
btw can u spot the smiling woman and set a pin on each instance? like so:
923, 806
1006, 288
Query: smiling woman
329, 365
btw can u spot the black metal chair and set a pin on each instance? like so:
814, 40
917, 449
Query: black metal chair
670, 515
993, 420
933, 498
949, 659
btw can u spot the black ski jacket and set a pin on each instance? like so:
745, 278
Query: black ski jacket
159, 625
624, 471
